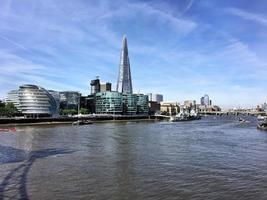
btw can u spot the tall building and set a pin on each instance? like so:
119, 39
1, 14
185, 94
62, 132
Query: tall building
124, 84
95, 86
155, 97
105, 87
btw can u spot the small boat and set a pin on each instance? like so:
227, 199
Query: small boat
82, 122
242, 120
261, 118
262, 126
8, 129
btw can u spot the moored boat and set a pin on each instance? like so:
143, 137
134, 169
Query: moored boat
185, 116
262, 126
82, 122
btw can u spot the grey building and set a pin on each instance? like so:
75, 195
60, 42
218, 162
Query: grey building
95, 86
155, 97
34, 101
69, 99
124, 83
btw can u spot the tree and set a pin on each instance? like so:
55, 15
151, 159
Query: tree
8, 110
84, 111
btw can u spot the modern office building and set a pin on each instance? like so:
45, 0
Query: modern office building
142, 104
69, 99
34, 101
95, 86
124, 83
105, 87
129, 104
155, 97
88, 102
108, 103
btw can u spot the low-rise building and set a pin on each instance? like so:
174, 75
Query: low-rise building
108, 103
69, 99
142, 104
169, 108
33, 101
130, 104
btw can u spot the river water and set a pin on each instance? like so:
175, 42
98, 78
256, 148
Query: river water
212, 158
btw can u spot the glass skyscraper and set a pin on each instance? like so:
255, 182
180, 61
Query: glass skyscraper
124, 84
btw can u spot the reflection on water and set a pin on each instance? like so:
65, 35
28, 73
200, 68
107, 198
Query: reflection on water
214, 158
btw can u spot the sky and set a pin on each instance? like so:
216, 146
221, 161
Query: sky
182, 49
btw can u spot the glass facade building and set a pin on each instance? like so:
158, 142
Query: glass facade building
33, 101
108, 103
142, 104
69, 99
129, 104
124, 83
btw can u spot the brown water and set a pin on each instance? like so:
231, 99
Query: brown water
214, 158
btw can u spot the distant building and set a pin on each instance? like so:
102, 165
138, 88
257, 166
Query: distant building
105, 87
169, 108
205, 100
190, 104
95, 86
33, 101
108, 103
155, 97
69, 99
202, 101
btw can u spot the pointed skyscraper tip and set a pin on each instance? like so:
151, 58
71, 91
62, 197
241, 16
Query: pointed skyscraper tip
124, 84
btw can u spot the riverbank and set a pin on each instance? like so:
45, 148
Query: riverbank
69, 120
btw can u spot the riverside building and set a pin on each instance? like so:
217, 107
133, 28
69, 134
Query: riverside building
123, 101
108, 103
33, 101
69, 99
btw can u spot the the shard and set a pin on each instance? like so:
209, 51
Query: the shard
124, 84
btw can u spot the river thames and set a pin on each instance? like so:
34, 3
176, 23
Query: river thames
212, 158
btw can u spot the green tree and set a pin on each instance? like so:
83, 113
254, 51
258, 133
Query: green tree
8, 110
84, 111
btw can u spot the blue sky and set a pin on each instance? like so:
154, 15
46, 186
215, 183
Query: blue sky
182, 49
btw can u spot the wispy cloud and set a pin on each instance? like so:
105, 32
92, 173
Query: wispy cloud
258, 18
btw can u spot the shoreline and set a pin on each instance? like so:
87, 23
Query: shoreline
70, 121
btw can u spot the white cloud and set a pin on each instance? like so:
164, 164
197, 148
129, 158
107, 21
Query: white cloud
248, 15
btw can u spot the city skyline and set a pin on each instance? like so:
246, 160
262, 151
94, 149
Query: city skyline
181, 50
